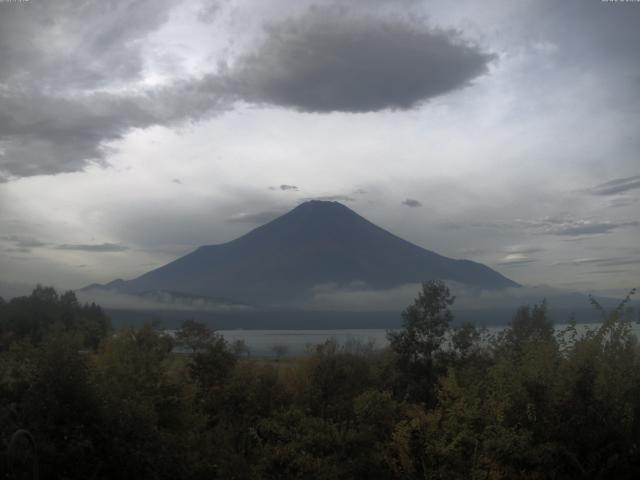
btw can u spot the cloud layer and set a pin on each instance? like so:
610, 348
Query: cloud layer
71, 83
98, 248
619, 185
575, 227
331, 60
61, 110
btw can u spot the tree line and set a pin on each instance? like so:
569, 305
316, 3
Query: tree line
440, 402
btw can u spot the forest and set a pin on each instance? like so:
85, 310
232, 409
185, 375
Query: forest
82, 400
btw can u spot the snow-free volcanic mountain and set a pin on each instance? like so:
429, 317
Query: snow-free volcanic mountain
317, 243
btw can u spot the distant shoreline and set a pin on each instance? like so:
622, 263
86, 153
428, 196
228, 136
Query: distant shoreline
280, 319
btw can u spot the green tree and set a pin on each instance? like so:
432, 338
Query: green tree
212, 363
251, 393
418, 345
34, 316
529, 325
194, 335
240, 348
62, 409
151, 424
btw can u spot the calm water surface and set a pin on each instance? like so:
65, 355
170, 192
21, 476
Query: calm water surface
296, 342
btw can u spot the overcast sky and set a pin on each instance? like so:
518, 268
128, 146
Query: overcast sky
133, 131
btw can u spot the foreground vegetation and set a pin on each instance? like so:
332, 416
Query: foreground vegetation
440, 402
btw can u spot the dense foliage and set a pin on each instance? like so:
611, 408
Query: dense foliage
440, 402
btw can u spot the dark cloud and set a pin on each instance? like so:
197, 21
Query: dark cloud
410, 202
256, 218
330, 60
177, 181
62, 69
59, 111
618, 185
44, 134
286, 188
65, 44
23, 242
97, 248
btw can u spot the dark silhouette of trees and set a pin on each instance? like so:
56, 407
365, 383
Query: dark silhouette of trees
441, 402
33, 317
418, 345
194, 335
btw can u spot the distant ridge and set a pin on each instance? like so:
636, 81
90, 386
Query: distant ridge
316, 243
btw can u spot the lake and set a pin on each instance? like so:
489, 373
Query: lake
262, 343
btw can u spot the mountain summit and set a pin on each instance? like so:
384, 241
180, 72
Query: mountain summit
316, 243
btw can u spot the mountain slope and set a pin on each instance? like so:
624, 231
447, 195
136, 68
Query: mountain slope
315, 243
